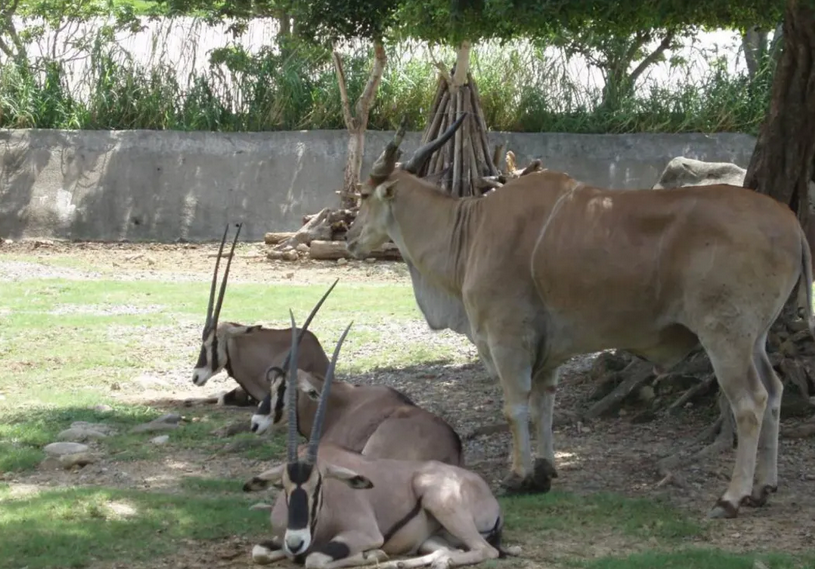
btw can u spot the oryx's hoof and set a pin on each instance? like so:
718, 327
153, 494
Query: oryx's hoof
759, 497
262, 555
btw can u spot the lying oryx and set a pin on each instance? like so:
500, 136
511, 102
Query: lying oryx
341, 509
246, 352
549, 267
374, 420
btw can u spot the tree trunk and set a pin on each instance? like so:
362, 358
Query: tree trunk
781, 164
357, 123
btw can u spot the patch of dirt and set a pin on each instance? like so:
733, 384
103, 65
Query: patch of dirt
613, 455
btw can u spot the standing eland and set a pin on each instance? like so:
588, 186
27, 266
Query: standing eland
547, 267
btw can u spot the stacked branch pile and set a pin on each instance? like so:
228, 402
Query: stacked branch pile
463, 167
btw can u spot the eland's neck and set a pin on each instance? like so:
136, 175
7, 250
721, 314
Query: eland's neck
431, 230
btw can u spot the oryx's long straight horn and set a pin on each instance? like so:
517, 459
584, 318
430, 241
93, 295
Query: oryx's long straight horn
214, 281
291, 392
226, 276
308, 321
322, 405
421, 155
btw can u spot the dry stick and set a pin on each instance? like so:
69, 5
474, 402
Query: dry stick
435, 107
482, 152
638, 373
466, 133
456, 190
496, 155
703, 385
437, 160
434, 130
472, 141
448, 148
481, 122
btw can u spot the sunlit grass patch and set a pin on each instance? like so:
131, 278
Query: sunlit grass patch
71, 527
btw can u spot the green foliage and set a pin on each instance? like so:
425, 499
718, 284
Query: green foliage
297, 89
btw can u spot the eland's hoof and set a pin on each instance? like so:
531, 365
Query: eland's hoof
759, 496
723, 510
538, 482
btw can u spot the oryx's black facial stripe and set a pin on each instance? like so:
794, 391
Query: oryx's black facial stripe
265, 406
335, 550
214, 351
298, 509
202, 357
279, 403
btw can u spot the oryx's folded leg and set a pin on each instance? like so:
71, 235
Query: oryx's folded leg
767, 460
348, 549
267, 552
732, 362
541, 411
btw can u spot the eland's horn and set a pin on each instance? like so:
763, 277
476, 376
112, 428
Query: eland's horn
291, 393
317, 427
308, 321
226, 276
384, 165
423, 153
215, 280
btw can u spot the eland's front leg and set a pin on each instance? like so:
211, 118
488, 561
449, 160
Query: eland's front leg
514, 371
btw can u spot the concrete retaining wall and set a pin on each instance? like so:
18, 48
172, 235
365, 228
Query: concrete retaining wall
165, 185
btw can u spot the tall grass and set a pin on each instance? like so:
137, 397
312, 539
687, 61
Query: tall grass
295, 88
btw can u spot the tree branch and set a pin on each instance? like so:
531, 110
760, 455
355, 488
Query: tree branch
653, 56
378, 68
346, 103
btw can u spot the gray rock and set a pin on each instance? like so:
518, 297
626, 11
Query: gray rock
80, 435
168, 418
77, 459
63, 448
160, 440
103, 408
153, 427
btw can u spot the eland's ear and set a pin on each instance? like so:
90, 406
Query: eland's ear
386, 190
351, 478
304, 385
271, 477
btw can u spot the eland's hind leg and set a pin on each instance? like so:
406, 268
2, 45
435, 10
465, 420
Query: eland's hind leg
767, 459
541, 412
732, 358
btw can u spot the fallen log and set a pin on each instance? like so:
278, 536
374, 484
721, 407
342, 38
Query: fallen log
333, 250
274, 238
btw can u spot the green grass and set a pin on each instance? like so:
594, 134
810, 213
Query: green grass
70, 527
695, 558
638, 518
63, 355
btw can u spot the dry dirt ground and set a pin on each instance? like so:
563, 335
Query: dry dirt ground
608, 455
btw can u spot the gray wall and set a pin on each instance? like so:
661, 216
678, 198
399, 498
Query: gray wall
164, 185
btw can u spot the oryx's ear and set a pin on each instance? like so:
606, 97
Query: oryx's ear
354, 480
386, 190
239, 329
273, 477
304, 385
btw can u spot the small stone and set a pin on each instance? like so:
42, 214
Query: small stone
77, 459
290, 255
63, 448
622, 412
168, 418
153, 427
103, 408
757, 564
585, 429
160, 440
80, 434
370, 259
342, 261
289, 275
647, 393
148, 382
302, 247
115, 386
